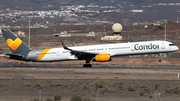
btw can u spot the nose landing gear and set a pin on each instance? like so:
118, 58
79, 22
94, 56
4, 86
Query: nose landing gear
161, 56
160, 60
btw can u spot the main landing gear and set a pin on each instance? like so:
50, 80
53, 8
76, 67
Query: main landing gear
87, 63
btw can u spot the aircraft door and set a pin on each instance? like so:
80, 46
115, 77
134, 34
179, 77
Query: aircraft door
162, 45
132, 47
57, 53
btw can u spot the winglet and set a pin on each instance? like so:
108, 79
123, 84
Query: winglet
73, 44
64, 45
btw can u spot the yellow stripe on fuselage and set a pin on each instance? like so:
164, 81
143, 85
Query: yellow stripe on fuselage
43, 53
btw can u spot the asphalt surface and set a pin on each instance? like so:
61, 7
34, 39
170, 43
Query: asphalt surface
7, 65
139, 68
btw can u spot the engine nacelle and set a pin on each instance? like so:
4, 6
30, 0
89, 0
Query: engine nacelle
102, 58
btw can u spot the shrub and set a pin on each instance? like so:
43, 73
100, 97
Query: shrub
102, 92
147, 90
142, 93
173, 90
119, 85
57, 97
53, 85
59, 84
87, 99
131, 88
48, 99
49, 81
84, 87
28, 85
144, 86
35, 99
36, 84
106, 89
76, 98
66, 85
100, 83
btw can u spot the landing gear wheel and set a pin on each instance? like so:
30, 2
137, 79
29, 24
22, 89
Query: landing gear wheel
87, 65
160, 60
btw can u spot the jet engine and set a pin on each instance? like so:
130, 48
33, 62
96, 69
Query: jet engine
102, 58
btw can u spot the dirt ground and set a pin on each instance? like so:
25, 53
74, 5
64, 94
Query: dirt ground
21, 84
122, 79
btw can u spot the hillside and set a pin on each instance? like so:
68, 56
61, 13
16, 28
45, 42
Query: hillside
87, 11
43, 4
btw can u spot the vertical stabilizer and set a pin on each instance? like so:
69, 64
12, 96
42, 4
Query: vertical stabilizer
16, 45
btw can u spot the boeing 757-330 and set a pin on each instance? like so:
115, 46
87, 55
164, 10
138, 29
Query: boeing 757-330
99, 53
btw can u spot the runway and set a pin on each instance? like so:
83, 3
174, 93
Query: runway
140, 68
77, 73
104, 67
96, 66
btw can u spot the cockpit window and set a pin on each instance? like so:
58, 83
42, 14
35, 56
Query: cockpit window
171, 44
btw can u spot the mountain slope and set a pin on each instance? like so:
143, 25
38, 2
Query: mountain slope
42, 4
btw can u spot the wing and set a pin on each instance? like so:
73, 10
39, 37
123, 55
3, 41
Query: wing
78, 53
88, 56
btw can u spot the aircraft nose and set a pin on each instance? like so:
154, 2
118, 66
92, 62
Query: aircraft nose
177, 48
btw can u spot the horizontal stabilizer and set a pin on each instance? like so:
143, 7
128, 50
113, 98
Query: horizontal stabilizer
12, 56
2, 55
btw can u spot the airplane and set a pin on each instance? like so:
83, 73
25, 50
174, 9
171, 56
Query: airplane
98, 53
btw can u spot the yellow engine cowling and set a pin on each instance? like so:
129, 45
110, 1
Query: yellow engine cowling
102, 58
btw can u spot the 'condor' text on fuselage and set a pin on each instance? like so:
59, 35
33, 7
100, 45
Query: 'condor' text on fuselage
146, 47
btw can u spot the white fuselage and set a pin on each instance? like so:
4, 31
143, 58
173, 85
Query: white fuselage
118, 49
